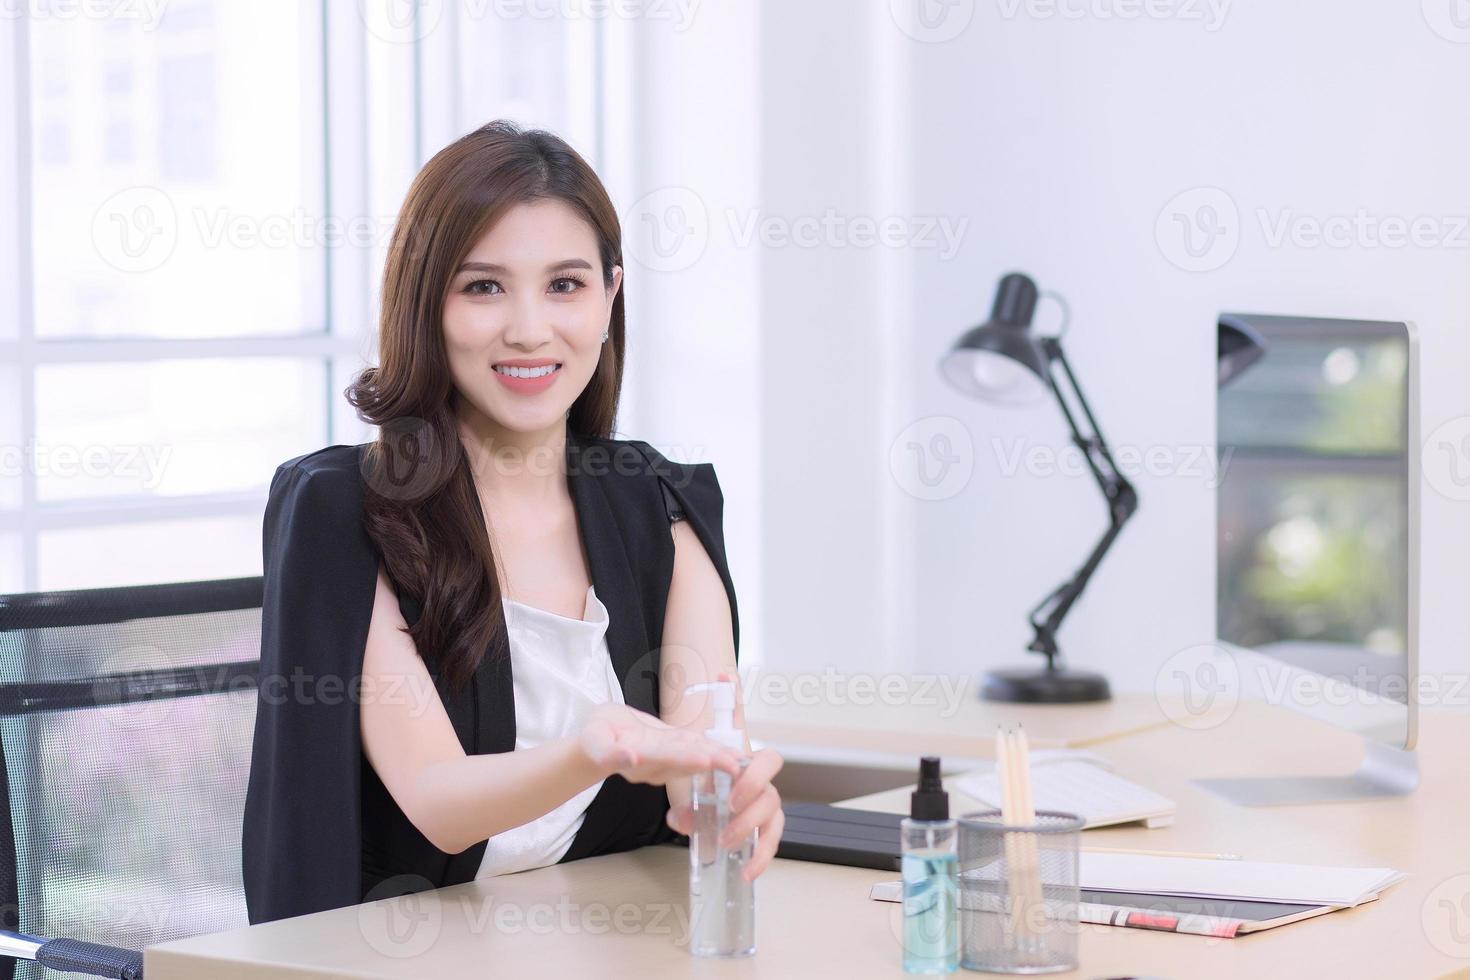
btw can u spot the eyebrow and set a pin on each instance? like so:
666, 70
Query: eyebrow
498, 269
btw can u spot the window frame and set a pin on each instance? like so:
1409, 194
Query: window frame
383, 105
340, 103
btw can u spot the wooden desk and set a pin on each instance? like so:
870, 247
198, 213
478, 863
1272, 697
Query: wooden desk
820, 717
624, 915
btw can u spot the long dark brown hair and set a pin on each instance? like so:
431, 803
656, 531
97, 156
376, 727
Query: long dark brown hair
421, 506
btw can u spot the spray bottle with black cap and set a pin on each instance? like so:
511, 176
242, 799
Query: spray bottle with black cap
930, 877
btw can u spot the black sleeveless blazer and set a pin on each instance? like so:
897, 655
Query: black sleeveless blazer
320, 829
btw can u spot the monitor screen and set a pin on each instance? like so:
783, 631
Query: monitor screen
1314, 523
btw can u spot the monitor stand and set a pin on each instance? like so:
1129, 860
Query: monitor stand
1384, 771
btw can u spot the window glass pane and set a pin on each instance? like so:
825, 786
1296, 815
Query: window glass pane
155, 551
175, 427
12, 447
178, 180
10, 559
536, 70
1322, 396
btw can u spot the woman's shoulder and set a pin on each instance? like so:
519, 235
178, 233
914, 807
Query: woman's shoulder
334, 461
634, 457
648, 481
334, 468
316, 548
325, 484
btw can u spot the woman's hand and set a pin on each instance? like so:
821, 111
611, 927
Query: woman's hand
644, 749
755, 805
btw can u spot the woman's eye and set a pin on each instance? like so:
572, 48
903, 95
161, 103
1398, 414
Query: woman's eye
572, 282
480, 287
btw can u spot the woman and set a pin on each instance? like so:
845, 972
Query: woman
477, 630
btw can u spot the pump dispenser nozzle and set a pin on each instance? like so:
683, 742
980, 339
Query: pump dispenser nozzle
723, 730
929, 801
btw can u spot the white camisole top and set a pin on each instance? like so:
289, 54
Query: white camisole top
561, 670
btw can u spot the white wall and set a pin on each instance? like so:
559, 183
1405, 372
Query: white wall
834, 585
1062, 140
682, 147
1065, 140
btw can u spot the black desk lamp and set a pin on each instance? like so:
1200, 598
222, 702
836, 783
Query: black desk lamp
1003, 361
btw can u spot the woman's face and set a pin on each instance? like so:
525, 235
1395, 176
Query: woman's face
524, 316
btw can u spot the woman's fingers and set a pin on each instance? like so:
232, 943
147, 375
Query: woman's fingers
661, 753
681, 818
744, 822
765, 844
757, 776
614, 757
726, 760
673, 757
663, 767
685, 763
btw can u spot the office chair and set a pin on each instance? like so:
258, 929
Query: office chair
126, 718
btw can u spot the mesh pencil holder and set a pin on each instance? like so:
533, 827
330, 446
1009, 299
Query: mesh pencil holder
1019, 893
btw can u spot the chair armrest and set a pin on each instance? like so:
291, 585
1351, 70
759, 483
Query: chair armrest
92, 959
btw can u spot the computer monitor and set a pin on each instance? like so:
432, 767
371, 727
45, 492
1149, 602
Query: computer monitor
1318, 534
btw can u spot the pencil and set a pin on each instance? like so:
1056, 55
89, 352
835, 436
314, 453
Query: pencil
1005, 764
1030, 856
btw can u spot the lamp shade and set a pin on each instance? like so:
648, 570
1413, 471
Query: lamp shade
1001, 360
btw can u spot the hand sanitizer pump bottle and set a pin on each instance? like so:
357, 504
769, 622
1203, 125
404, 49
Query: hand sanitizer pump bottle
721, 901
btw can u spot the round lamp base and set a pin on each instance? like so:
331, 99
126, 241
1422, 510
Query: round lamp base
1058, 686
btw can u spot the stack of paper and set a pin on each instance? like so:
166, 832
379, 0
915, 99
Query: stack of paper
1222, 899
1253, 881
1228, 881
1070, 781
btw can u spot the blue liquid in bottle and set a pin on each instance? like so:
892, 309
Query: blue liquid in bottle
931, 877
930, 899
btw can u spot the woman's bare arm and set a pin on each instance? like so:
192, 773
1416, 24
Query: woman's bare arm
699, 646
698, 642
454, 799
457, 800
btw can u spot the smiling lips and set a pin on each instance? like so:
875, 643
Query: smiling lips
527, 377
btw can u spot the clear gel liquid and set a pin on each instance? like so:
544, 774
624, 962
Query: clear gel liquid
721, 901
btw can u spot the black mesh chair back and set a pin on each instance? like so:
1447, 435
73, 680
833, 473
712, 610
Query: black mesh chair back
126, 718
